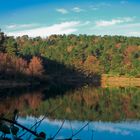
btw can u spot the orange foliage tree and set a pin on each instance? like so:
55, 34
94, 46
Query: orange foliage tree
35, 67
12, 64
91, 64
21, 65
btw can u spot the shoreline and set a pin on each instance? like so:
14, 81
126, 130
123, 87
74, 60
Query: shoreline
14, 84
105, 81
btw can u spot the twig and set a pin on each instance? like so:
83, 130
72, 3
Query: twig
79, 130
71, 127
13, 122
58, 130
39, 122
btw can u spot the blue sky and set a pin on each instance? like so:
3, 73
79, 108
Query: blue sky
46, 17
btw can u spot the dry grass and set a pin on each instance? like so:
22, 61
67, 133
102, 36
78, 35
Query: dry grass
115, 81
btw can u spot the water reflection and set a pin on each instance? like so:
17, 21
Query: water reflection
107, 109
97, 130
87, 103
24, 103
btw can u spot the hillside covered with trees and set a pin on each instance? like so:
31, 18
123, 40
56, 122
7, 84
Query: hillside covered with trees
92, 55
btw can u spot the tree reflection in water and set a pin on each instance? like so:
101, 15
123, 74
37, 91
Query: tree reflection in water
87, 103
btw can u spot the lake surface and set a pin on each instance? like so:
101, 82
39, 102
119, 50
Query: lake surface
112, 113
95, 130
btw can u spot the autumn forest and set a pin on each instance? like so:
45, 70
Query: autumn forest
28, 57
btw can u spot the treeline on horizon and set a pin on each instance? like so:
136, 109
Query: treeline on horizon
90, 54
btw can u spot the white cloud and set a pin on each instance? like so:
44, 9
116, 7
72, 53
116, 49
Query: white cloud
125, 29
77, 9
62, 28
20, 26
62, 11
135, 33
105, 23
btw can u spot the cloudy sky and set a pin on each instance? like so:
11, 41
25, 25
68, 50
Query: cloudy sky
46, 17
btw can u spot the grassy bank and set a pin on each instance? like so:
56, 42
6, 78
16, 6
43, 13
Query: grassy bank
119, 81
